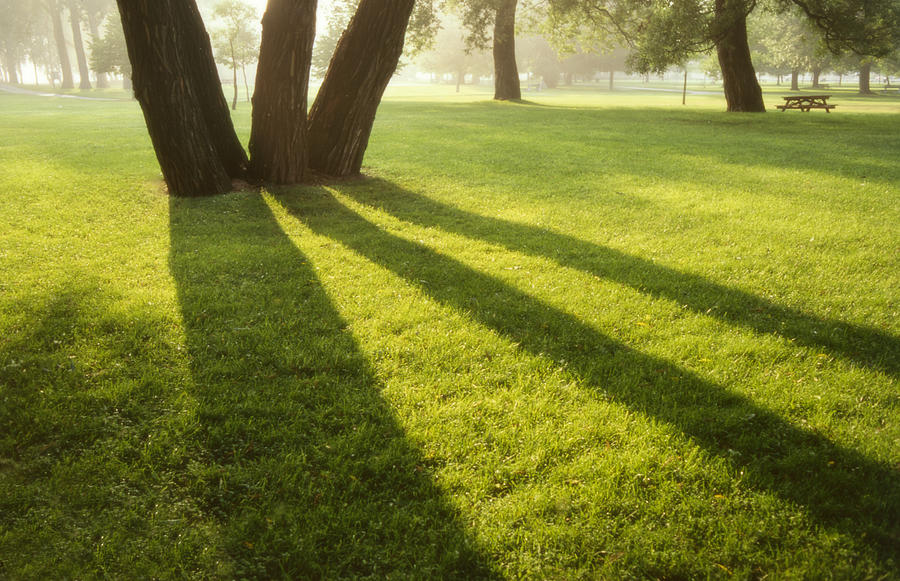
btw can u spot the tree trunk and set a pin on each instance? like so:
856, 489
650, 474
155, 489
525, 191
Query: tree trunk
612, 75
815, 77
795, 79
364, 60
207, 86
166, 49
84, 72
279, 148
102, 78
10, 68
742, 91
246, 85
55, 10
506, 73
865, 72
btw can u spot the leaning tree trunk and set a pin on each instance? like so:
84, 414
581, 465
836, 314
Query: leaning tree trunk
506, 73
364, 60
200, 66
162, 39
55, 10
742, 91
865, 74
84, 72
278, 139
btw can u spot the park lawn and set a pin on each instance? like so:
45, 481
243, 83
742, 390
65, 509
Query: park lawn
576, 338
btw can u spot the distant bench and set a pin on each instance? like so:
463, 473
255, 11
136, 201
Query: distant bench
807, 102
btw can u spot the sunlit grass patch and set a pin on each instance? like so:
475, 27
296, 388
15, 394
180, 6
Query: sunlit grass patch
586, 340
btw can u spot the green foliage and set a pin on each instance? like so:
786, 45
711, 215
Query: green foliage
341, 13
450, 54
597, 337
786, 41
236, 38
108, 54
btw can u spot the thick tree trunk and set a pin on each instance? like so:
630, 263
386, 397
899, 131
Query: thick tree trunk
166, 49
94, 25
815, 77
201, 68
795, 79
84, 72
278, 138
68, 81
366, 57
865, 73
742, 91
506, 73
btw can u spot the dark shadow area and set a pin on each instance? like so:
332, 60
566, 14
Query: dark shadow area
858, 344
304, 465
835, 486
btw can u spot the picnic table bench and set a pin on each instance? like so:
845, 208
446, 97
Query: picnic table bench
807, 102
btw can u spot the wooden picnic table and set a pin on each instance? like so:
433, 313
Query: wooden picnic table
807, 102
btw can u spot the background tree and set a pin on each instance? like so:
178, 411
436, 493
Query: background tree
96, 12
667, 32
498, 16
84, 72
54, 9
236, 40
15, 27
109, 55
451, 55
39, 47
787, 42
327, 40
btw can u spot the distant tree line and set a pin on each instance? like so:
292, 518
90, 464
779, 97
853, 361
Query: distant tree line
173, 61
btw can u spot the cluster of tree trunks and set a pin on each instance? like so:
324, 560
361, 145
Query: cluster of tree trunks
178, 88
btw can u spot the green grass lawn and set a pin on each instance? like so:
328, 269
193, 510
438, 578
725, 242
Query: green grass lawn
595, 336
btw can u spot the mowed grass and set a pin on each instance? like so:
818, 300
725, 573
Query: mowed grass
592, 336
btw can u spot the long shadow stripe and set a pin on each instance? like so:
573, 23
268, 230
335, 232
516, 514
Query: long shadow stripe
840, 488
862, 345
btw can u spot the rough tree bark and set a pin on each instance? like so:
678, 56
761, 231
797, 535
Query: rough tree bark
742, 91
278, 138
364, 60
506, 73
167, 51
200, 67
55, 11
84, 72
865, 74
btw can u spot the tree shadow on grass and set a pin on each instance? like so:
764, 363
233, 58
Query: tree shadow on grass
837, 487
855, 343
304, 465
